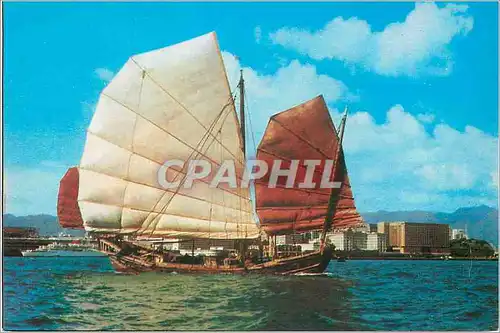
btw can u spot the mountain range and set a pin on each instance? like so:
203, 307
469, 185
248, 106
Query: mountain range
47, 225
481, 222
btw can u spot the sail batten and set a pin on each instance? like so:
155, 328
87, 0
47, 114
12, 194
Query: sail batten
169, 104
168, 133
189, 112
305, 132
301, 139
173, 169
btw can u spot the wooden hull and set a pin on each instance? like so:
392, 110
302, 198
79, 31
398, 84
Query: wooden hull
315, 262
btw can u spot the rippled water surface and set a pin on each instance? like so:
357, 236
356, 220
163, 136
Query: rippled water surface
85, 293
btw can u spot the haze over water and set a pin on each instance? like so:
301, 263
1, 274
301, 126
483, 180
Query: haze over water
85, 294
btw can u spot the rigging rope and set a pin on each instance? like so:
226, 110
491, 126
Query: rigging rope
250, 128
177, 101
198, 152
203, 141
251, 187
132, 145
200, 149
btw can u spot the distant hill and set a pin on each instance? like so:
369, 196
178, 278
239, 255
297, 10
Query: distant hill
481, 221
46, 224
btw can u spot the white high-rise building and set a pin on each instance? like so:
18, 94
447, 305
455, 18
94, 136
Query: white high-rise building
359, 240
290, 239
355, 240
458, 234
376, 242
341, 240
365, 227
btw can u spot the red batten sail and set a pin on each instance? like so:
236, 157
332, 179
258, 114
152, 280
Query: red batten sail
68, 211
305, 132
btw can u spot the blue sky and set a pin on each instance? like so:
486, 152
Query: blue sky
421, 82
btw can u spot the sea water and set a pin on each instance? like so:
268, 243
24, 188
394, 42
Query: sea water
86, 294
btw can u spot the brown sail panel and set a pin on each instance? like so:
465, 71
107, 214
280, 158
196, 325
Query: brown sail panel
68, 211
305, 132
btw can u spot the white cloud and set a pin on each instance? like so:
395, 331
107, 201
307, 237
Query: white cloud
416, 46
257, 34
290, 85
104, 74
406, 162
494, 179
34, 190
399, 164
427, 118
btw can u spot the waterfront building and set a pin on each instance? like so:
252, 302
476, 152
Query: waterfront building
20, 232
396, 234
315, 234
169, 245
290, 239
416, 237
392, 232
376, 242
309, 247
285, 250
383, 228
348, 240
302, 242
201, 244
362, 241
341, 240
458, 234
365, 227
359, 239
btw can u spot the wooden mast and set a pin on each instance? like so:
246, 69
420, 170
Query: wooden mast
332, 202
241, 85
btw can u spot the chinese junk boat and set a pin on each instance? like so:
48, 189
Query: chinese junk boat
175, 104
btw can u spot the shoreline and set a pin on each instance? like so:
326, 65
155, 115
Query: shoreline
407, 258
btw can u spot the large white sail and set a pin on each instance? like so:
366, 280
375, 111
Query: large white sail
169, 104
